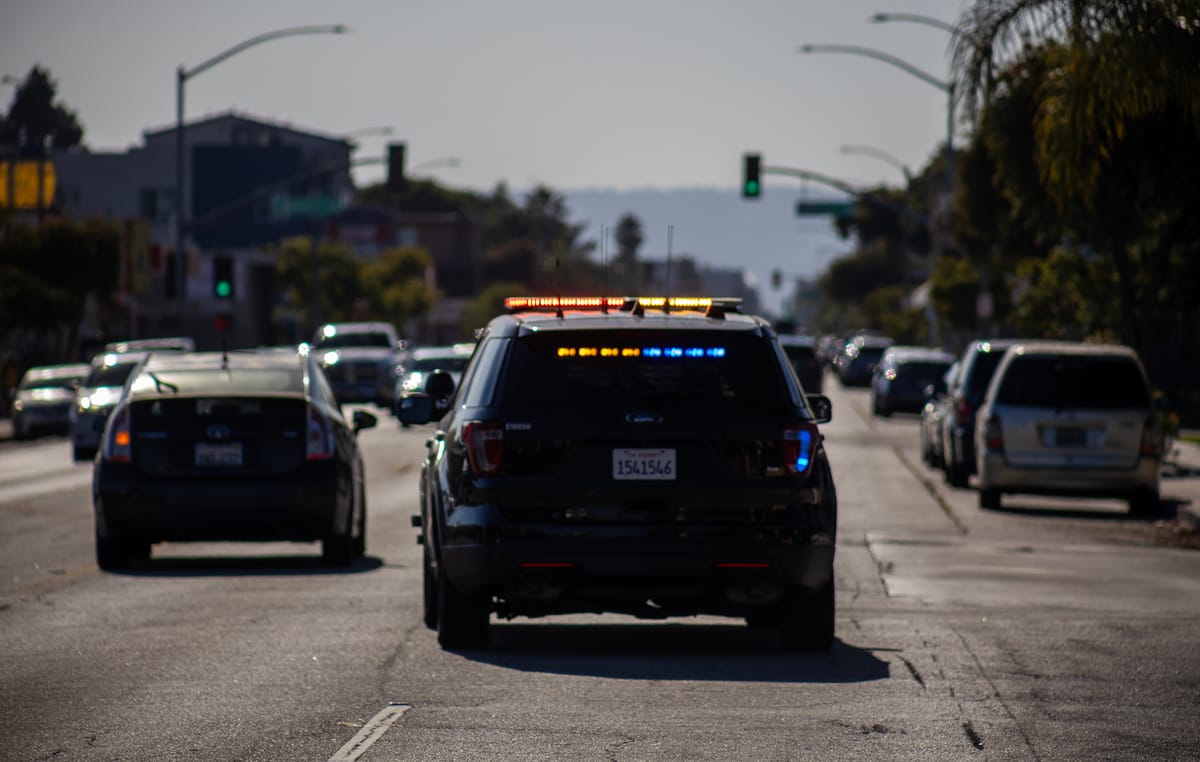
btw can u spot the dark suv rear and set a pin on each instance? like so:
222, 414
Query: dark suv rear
648, 462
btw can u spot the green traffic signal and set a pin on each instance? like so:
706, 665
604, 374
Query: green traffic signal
751, 175
224, 289
222, 283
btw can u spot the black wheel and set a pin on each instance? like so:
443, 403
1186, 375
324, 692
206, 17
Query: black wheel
1145, 503
808, 620
113, 554
462, 618
360, 542
989, 499
429, 598
338, 549
956, 474
82, 453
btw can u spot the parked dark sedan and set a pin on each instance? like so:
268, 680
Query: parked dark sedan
902, 376
248, 446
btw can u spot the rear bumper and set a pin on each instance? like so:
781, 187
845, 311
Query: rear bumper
536, 569
302, 506
994, 472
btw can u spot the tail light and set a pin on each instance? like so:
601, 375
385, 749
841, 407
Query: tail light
963, 408
485, 446
993, 435
799, 445
1152, 439
318, 438
118, 447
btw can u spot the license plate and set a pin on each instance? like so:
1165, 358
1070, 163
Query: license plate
223, 455
642, 463
1070, 437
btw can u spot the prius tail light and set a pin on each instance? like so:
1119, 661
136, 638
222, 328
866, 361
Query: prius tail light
118, 447
318, 438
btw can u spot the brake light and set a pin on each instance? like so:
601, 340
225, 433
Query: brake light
118, 448
799, 444
993, 435
1151, 445
963, 408
318, 440
485, 446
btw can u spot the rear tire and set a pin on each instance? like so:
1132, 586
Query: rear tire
1145, 503
462, 618
808, 620
429, 597
81, 454
957, 475
112, 554
360, 542
989, 499
338, 549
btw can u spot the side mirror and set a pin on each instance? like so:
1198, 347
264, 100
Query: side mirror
821, 406
415, 408
439, 385
363, 420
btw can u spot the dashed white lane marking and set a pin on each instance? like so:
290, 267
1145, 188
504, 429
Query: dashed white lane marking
370, 733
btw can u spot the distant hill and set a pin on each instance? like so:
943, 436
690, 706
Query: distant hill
718, 228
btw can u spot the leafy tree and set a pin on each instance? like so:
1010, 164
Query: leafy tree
629, 238
488, 305
338, 274
34, 121
396, 284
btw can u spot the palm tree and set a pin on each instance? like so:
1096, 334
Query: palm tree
1114, 62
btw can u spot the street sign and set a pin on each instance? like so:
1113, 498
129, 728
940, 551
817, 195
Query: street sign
284, 206
836, 208
24, 184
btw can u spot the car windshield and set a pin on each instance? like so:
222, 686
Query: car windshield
109, 375
1073, 382
455, 363
721, 376
193, 380
53, 382
342, 340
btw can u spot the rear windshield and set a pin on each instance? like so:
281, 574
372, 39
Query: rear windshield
800, 353
1074, 382
702, 374
109, 375
920, 374
234, 380
339, 340
455, 364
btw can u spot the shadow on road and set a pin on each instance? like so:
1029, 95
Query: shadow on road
1015, 505
672, 651
244, 566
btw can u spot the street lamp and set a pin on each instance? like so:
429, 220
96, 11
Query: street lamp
917, 18
881, 154
182, 75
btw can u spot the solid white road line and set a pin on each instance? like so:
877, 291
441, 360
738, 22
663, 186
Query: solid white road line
370, 733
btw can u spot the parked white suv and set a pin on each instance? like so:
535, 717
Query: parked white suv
1069, 419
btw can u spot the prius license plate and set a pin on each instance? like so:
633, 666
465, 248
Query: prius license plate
224, 455
644, 463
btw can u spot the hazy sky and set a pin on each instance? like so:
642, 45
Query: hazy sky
615, 94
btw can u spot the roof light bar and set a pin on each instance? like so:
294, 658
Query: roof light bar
627, 303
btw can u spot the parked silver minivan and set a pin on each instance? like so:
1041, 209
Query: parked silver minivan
1071, 419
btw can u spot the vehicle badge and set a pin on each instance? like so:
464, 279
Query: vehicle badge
218, 431
643, 418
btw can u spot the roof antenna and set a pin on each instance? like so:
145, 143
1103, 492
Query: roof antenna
670, 238
558, 285
604, 267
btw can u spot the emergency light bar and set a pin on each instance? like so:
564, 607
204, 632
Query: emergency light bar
634, 304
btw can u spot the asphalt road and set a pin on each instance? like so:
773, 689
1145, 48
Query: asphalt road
1051, 630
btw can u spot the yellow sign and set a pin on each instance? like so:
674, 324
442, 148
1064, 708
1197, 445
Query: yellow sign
19, 188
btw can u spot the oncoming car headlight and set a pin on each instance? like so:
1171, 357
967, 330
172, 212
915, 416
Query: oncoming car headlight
330, 358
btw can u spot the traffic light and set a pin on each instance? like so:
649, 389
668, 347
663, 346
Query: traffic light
395, 166
751, 175
223, 277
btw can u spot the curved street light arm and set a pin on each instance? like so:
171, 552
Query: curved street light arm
917, 18
879, 55
258, 40
881, 154
858, 194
